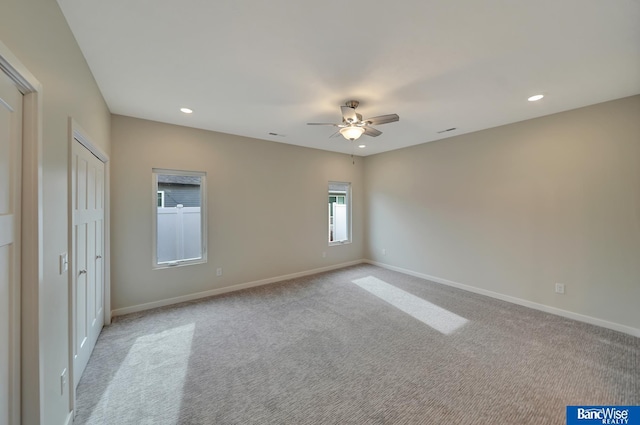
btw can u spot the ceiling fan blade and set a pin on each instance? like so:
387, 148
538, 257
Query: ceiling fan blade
370, 131
349, 114
322, 123
382, 119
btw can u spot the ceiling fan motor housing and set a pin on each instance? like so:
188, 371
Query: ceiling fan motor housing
352, 104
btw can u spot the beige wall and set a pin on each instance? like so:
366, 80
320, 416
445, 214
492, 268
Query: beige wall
267, 208
515, 209
37, 34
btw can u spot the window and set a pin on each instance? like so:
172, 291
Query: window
160, 198
339, 213
179, 218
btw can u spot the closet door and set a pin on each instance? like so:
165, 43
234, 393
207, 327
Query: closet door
87, 181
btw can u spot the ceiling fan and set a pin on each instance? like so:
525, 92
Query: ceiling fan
353, 126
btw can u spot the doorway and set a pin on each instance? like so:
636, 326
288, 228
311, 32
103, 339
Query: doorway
10, 248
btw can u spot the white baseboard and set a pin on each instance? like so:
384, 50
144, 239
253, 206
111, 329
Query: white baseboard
226, 289
514, 300
69, 420
536, 306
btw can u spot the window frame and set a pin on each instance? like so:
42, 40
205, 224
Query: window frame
154, 218
348, 200
161, 193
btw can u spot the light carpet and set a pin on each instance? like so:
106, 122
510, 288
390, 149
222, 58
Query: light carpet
353, 346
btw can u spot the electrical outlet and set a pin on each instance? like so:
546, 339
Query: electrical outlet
559, 288
219, 271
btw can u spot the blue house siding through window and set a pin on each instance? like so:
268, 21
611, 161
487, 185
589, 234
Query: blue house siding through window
176, 190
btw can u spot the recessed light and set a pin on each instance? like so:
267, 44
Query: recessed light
186, 110
362, 146
536, 97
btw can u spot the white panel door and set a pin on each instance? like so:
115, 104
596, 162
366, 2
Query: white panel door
10, 161
87, 287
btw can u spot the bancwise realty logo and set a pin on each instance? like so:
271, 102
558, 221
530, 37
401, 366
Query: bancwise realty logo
619, 415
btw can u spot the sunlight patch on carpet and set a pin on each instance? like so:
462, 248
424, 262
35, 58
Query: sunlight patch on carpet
135, 383
430, 314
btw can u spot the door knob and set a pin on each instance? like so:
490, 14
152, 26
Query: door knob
82, 271
98, 257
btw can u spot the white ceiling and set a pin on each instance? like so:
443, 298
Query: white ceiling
250, 67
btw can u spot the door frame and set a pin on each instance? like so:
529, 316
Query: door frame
28, 360
76, 133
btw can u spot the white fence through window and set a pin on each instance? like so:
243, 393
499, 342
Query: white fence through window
338, 225
179, 234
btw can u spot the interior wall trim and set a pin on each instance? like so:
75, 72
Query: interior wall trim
226, 289
514, 300
22, 78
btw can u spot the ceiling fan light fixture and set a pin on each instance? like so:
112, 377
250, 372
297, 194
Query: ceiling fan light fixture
353, 125
352, 133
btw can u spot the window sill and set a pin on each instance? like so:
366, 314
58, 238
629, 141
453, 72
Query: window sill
173, 265
338, 243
